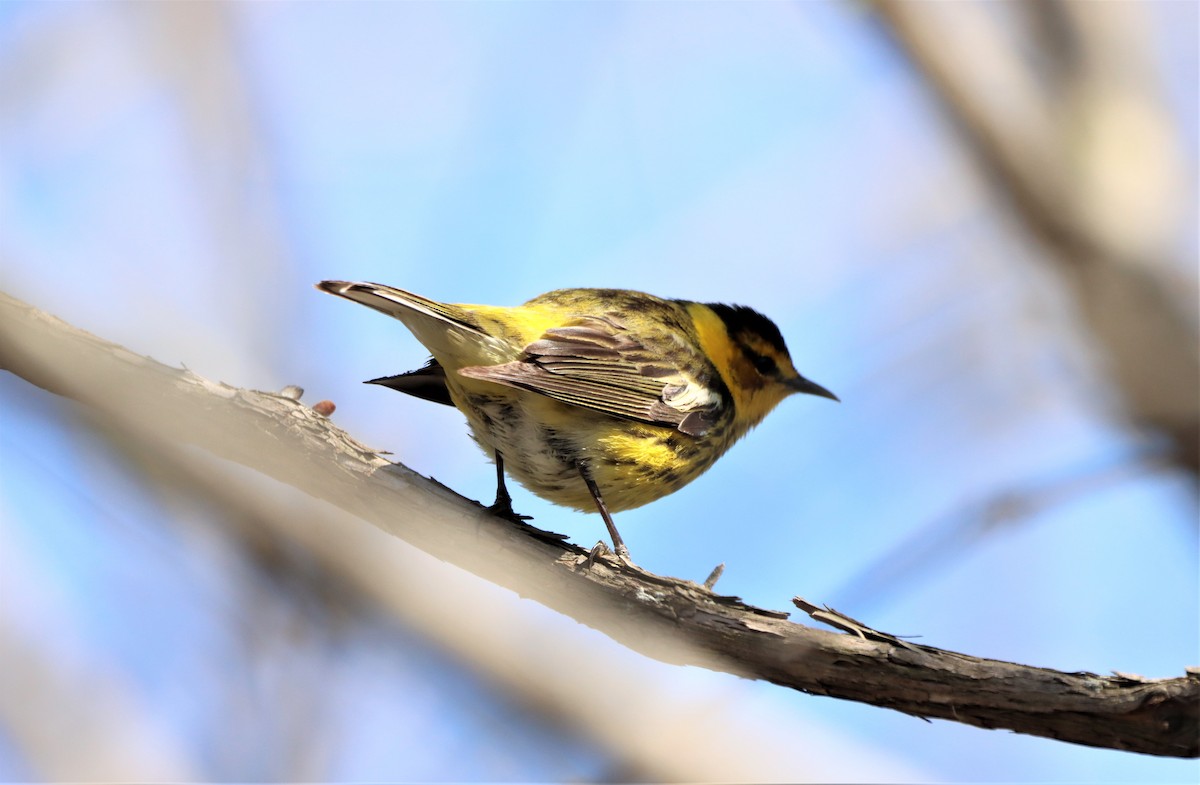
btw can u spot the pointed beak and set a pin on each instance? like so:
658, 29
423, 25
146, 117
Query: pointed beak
802, 385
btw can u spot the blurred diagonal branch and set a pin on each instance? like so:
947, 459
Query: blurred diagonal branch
941, 541
671, 620
1059, 104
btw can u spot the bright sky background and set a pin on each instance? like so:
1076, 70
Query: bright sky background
175, 178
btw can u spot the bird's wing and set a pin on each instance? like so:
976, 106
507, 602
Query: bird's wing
594, 363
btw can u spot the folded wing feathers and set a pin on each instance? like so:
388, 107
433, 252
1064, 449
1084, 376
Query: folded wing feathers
597, 367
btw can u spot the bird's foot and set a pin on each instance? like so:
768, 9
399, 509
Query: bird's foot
502, 508
601, 549
598, 550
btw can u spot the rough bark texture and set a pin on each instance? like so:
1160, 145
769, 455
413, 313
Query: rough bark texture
668, 619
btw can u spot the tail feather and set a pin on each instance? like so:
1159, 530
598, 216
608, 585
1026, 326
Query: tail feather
396, 302
428, 382
450, 332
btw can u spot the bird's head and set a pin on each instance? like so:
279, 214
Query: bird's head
754, 362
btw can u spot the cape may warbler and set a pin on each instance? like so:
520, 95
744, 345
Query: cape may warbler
599, 398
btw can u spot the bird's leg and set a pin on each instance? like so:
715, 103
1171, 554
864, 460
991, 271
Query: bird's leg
503, 504
618, 544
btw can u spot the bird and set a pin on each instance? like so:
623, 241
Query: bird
596, 399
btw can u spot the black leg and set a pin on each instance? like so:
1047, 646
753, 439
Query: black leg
503, 504
618, 543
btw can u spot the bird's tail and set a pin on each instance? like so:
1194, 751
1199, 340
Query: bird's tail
450, 332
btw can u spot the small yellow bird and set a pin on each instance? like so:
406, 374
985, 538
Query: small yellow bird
601, 398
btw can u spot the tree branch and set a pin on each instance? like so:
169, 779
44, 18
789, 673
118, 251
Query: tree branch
668, 619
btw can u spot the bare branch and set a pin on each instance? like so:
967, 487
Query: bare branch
668, 619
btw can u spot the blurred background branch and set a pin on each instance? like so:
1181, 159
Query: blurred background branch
1058, 102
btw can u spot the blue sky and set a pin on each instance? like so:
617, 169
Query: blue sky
176, 177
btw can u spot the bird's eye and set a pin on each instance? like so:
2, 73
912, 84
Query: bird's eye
763, 364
